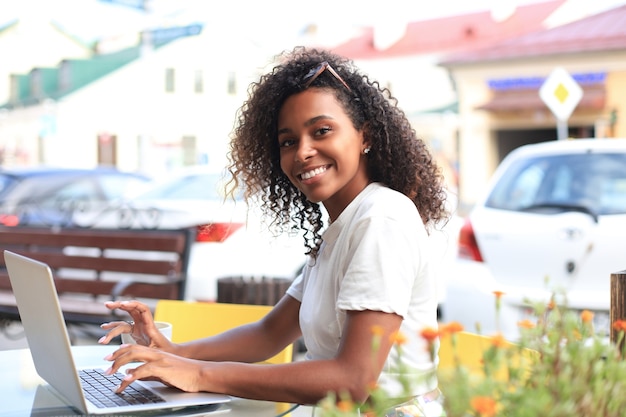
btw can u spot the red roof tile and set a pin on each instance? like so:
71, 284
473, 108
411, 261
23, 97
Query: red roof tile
601, 32
452, 33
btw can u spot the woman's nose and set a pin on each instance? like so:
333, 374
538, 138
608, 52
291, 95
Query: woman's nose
305, 150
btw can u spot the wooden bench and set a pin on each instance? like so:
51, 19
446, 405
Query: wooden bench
91, 266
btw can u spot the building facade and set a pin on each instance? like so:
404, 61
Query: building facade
149, 108
500, 107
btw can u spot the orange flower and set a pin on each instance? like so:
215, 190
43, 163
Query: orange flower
498, 341
526, 324
484, 406
619, 325
498, 294
429, 334
377, 330
451, 328
398, 338
586, 316
345, 405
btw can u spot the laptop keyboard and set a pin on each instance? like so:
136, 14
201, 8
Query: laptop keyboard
100, 388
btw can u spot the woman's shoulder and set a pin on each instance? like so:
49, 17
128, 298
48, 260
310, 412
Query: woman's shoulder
380, 192
381, 199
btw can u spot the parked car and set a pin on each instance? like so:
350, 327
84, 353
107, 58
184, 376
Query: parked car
231, 239
553, 218
49, 196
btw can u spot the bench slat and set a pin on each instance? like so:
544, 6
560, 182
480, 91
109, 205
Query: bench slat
136, 266
143, 240
139, 272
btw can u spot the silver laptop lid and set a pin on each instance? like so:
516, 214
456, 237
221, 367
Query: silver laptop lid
49, 343
40, 313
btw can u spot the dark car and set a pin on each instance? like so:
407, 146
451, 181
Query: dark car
46, 196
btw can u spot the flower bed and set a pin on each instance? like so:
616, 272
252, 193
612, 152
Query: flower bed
559, 368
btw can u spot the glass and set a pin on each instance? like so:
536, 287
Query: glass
315, 72
594, 181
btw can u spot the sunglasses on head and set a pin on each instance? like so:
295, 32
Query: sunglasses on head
315, 72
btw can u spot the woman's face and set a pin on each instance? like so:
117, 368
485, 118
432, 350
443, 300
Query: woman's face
320, 150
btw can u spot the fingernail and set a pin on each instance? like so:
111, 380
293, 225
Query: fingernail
102, 339
108, 357
109, 371
128, 377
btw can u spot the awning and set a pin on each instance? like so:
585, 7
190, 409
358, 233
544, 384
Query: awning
594, 97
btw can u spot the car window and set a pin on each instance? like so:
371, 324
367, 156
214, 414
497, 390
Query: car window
6, 182
38, 188
189, 187
596, 182
114, 186
81, 191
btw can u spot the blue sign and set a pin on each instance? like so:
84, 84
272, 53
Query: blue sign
522, 83
167, 34
135, 4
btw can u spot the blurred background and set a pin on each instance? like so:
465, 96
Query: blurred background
152, 87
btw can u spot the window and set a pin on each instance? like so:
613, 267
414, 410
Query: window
16, 91
35, 83
189, 151
596, 182
65, 77
198, 81
169, 80
232, 83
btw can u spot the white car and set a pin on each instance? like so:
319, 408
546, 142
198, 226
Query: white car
231, 241
553, 219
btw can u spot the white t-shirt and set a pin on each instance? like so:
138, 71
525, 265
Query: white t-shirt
375, 256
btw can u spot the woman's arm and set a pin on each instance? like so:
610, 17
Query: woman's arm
353, 371
253, 342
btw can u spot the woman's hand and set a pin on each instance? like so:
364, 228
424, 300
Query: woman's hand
156, 365
141, 328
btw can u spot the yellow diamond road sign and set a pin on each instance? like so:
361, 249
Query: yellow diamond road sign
561, 93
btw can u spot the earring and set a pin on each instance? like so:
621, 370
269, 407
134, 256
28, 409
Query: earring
366, 150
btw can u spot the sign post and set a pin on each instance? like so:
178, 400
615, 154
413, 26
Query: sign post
561, 93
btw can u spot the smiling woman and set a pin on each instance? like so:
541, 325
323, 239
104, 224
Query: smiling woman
318, 140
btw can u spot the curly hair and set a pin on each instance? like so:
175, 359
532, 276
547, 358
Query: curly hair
398, 158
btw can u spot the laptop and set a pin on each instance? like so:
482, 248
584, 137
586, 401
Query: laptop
38, 304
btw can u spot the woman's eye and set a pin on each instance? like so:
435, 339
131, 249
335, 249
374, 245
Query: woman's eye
285, 143
322, 131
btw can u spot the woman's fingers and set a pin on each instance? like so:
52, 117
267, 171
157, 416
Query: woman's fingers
140, 325
155, 365
134, 353
134, 308
115, 328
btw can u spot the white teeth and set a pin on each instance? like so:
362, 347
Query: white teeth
311, 174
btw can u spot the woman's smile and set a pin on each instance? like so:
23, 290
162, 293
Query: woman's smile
313, 173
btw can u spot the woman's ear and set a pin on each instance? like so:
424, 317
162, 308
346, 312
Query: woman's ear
366, 146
